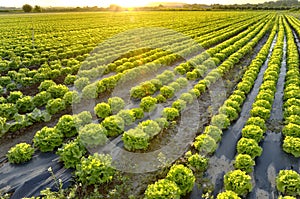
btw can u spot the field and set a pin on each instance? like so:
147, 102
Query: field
150, 105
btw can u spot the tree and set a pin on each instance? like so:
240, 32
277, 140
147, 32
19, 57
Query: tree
27, 8
37, 8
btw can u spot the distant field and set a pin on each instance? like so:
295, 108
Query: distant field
150, 105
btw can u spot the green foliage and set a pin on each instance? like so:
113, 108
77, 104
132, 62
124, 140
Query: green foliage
214, 132
183, 82
148, 104
150, 127
205, 144
25, 104
183, 177
81, 82
198, 162
83, 118
71, 153
187, 97
96, 169
262, 103
221, 121
127, 116
46, 84
138, 113
265, 95
27, 8
292, 110
114, 125
258, 122
102, 110
57, 91
248, 146
179, 104
47, 139
244, 162
252, 131
287, 197
90, 91
144, 89
135, 139
179, 70
67, 126
234, 97
20, 153
288, 182
291, 130
14, 96
176, 86
228, 195
167, 91
294, 119
116, 104
162, 122
260, 112
8, 110
55, 105
291, 145
238, 181
41, 98
70, 79
245, 86
92, 135
229, 111
160, 98
71, 97
163, 189
170, 113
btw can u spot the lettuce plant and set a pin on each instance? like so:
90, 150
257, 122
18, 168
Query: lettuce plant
102, 110
163, 189
288, 182
20, 153
47, 139
238, 181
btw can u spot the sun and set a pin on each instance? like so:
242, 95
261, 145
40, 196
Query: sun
130, 3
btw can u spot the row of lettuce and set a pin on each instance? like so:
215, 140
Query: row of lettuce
20, 111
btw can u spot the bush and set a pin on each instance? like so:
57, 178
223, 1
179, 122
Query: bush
127, 116
183, 177
41, 98
96, 169
230, 112
163, 189
138, 113
71, 153
67, 126
228, 195
167, 91
92, 135
20, 153
205, 144
57, 91
25, 104
258, 122
81, 82
114, 125
148, 104
170, 113
221, 121
214, 132
179, 104
102, 110
116, 104
252, 131
238, 181
150, 127
260, 112
244, 162
47, 139
291, 130
55, 105
288, 182
248, 146
199, 162
46, 84
291, 145
135, 139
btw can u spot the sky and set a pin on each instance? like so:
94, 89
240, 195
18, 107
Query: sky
106, 3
